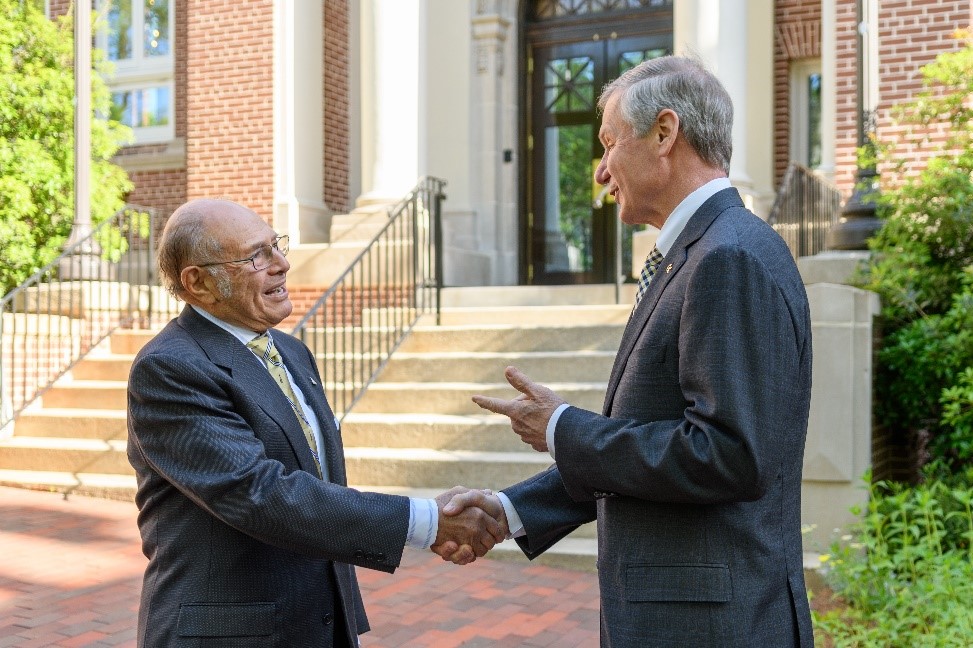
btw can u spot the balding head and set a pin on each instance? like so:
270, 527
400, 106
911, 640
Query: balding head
194, 235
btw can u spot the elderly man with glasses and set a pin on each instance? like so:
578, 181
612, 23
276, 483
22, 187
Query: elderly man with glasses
249, 527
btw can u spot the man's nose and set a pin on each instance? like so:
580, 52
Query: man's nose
281, 262
601, 173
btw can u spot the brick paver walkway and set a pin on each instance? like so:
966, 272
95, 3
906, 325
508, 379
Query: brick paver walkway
70, 573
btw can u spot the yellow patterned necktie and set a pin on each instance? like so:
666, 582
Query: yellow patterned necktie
263, 346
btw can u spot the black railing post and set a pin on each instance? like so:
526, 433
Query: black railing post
437, 202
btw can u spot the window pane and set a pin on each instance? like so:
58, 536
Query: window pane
814, 120
568, 229
569, 85
119, 30
142, 107
156, 35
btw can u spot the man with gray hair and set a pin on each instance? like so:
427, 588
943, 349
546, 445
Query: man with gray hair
693, 467
246, 518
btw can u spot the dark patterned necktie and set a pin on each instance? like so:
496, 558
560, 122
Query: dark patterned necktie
648, 270
264, 347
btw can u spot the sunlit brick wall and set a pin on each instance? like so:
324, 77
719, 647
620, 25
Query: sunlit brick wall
336, 139
229, 102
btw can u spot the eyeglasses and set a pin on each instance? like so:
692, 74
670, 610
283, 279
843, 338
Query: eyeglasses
262, 258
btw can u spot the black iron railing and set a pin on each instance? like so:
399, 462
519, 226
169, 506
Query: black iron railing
355, 326
805, 209
99, 284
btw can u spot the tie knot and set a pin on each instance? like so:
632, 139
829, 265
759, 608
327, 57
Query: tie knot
655, 258
263, 346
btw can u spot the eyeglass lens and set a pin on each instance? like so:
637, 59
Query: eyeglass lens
265, 255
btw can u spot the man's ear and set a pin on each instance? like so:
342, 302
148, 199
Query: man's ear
200, 285
667, 128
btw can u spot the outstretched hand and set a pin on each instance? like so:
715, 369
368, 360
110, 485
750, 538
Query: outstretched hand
471, 522
529, 412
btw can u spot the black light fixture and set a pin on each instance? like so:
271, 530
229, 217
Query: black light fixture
858, 221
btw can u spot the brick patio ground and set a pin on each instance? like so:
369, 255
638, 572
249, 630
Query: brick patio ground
71, 569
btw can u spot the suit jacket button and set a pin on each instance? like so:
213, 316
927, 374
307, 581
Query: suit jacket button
328, 619
380, 557
359, 554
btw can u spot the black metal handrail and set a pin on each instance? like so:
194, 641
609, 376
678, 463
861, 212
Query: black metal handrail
98, 285
805, 209
354, 328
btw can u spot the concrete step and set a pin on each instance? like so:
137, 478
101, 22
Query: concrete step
484, 432
441, 469
461, 366
455, 398
87, 394
74, 423
130, 342
512, 338
570, 315
321, 265
107, 367
116, 487
64, 455
531, 296
360, 225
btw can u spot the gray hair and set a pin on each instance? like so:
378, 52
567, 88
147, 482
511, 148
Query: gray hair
687, 88
186, 241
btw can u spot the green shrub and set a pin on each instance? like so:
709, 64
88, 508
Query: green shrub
922, 269
37, 141
907, 579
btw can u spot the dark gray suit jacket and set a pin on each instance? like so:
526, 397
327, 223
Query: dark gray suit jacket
693, 470
246, 545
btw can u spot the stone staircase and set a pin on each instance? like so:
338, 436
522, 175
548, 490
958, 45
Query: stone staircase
415, 432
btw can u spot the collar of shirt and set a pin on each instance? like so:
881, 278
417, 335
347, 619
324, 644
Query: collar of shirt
677, 220
240, 333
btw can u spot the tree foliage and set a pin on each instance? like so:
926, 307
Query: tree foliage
922, 268
37, 140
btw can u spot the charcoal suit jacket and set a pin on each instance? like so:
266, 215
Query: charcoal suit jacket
693, 468
247, 546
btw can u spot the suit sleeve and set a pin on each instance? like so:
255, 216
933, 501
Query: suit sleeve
737, 357
186, 429
546, 510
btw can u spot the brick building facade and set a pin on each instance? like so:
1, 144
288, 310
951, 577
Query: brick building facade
226, 102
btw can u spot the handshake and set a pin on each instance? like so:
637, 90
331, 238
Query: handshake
471, 522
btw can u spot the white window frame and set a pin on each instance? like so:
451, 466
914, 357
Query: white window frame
800, 71
143, 72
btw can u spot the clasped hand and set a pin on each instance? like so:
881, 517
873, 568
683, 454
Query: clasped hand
471, 522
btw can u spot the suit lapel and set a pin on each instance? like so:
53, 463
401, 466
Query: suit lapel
670, 266
246, 369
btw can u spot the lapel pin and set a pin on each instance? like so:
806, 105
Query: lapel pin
668, 268
313, 381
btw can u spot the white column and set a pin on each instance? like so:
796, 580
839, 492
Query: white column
734, 39
389, 97
829, 97
493, 190
299, 210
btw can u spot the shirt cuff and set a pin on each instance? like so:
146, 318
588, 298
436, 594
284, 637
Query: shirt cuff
552, 425
514, 525
423, 523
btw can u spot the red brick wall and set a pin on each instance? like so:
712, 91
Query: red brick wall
229, 102
913, 32
164, 190
797, 35
336, 139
